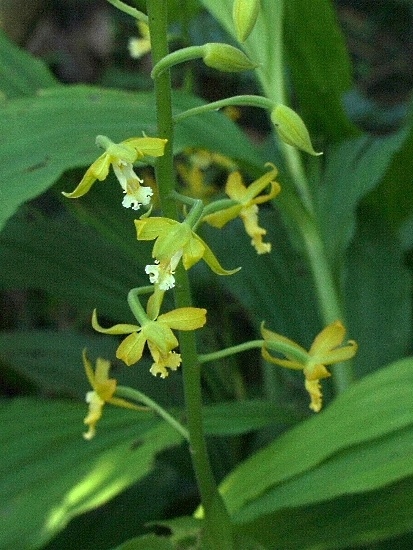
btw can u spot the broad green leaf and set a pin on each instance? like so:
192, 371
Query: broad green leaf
239, 417
69, 260
341, 523
353, 168
394, 197
377, 293
56, 130
320, 67
50, 363
358, 469
21, 74
127, 514
147, 542
51, 360
372, 410
56, 475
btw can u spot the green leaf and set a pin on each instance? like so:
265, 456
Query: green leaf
51, 360
147, 542
353, 168
56, 475
378, 294
393, 197
21, 74
40, 132
341, 523
240, 417
355, 470
350, 424
320, 67
70, 260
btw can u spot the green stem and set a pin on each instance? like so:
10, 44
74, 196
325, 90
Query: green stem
249, 100
134, 395
303, 213
326, 288
179, 56
136, 14
135, 304
218, 532
206, 357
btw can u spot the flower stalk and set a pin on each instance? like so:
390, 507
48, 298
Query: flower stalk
218, 532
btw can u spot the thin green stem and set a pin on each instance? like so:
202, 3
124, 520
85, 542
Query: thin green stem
179, 56
249, 100
218, 532
206, 357
326, 289
136, 14
135, 395
303, 212
135, 304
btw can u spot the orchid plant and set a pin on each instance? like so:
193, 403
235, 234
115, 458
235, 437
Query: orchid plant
184, 198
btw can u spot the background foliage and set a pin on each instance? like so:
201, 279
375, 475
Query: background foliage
340, 479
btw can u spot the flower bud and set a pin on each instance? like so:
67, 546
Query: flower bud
244, 15
291, 129
224, 57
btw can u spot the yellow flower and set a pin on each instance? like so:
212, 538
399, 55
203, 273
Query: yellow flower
174, 241
138, 47
326, 349
158, 335
121, 157
246, 206
103, 391
193, 172
194, 179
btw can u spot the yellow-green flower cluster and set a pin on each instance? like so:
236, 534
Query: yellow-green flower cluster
122, 156
246, 201
103, 389
326, 349
157, 334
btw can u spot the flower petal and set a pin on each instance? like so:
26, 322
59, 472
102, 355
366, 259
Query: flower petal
184, 318
282, 344
222, 217
131, 348
329, 338
160, 335
212, 262
148, 229
97, 171
147, 146
287, 363
235, 188
260, 184
116, 329
275, 189
339, 354
193, 251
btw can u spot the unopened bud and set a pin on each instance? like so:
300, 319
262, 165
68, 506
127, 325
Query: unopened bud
224, 57
291, 129
244, 15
